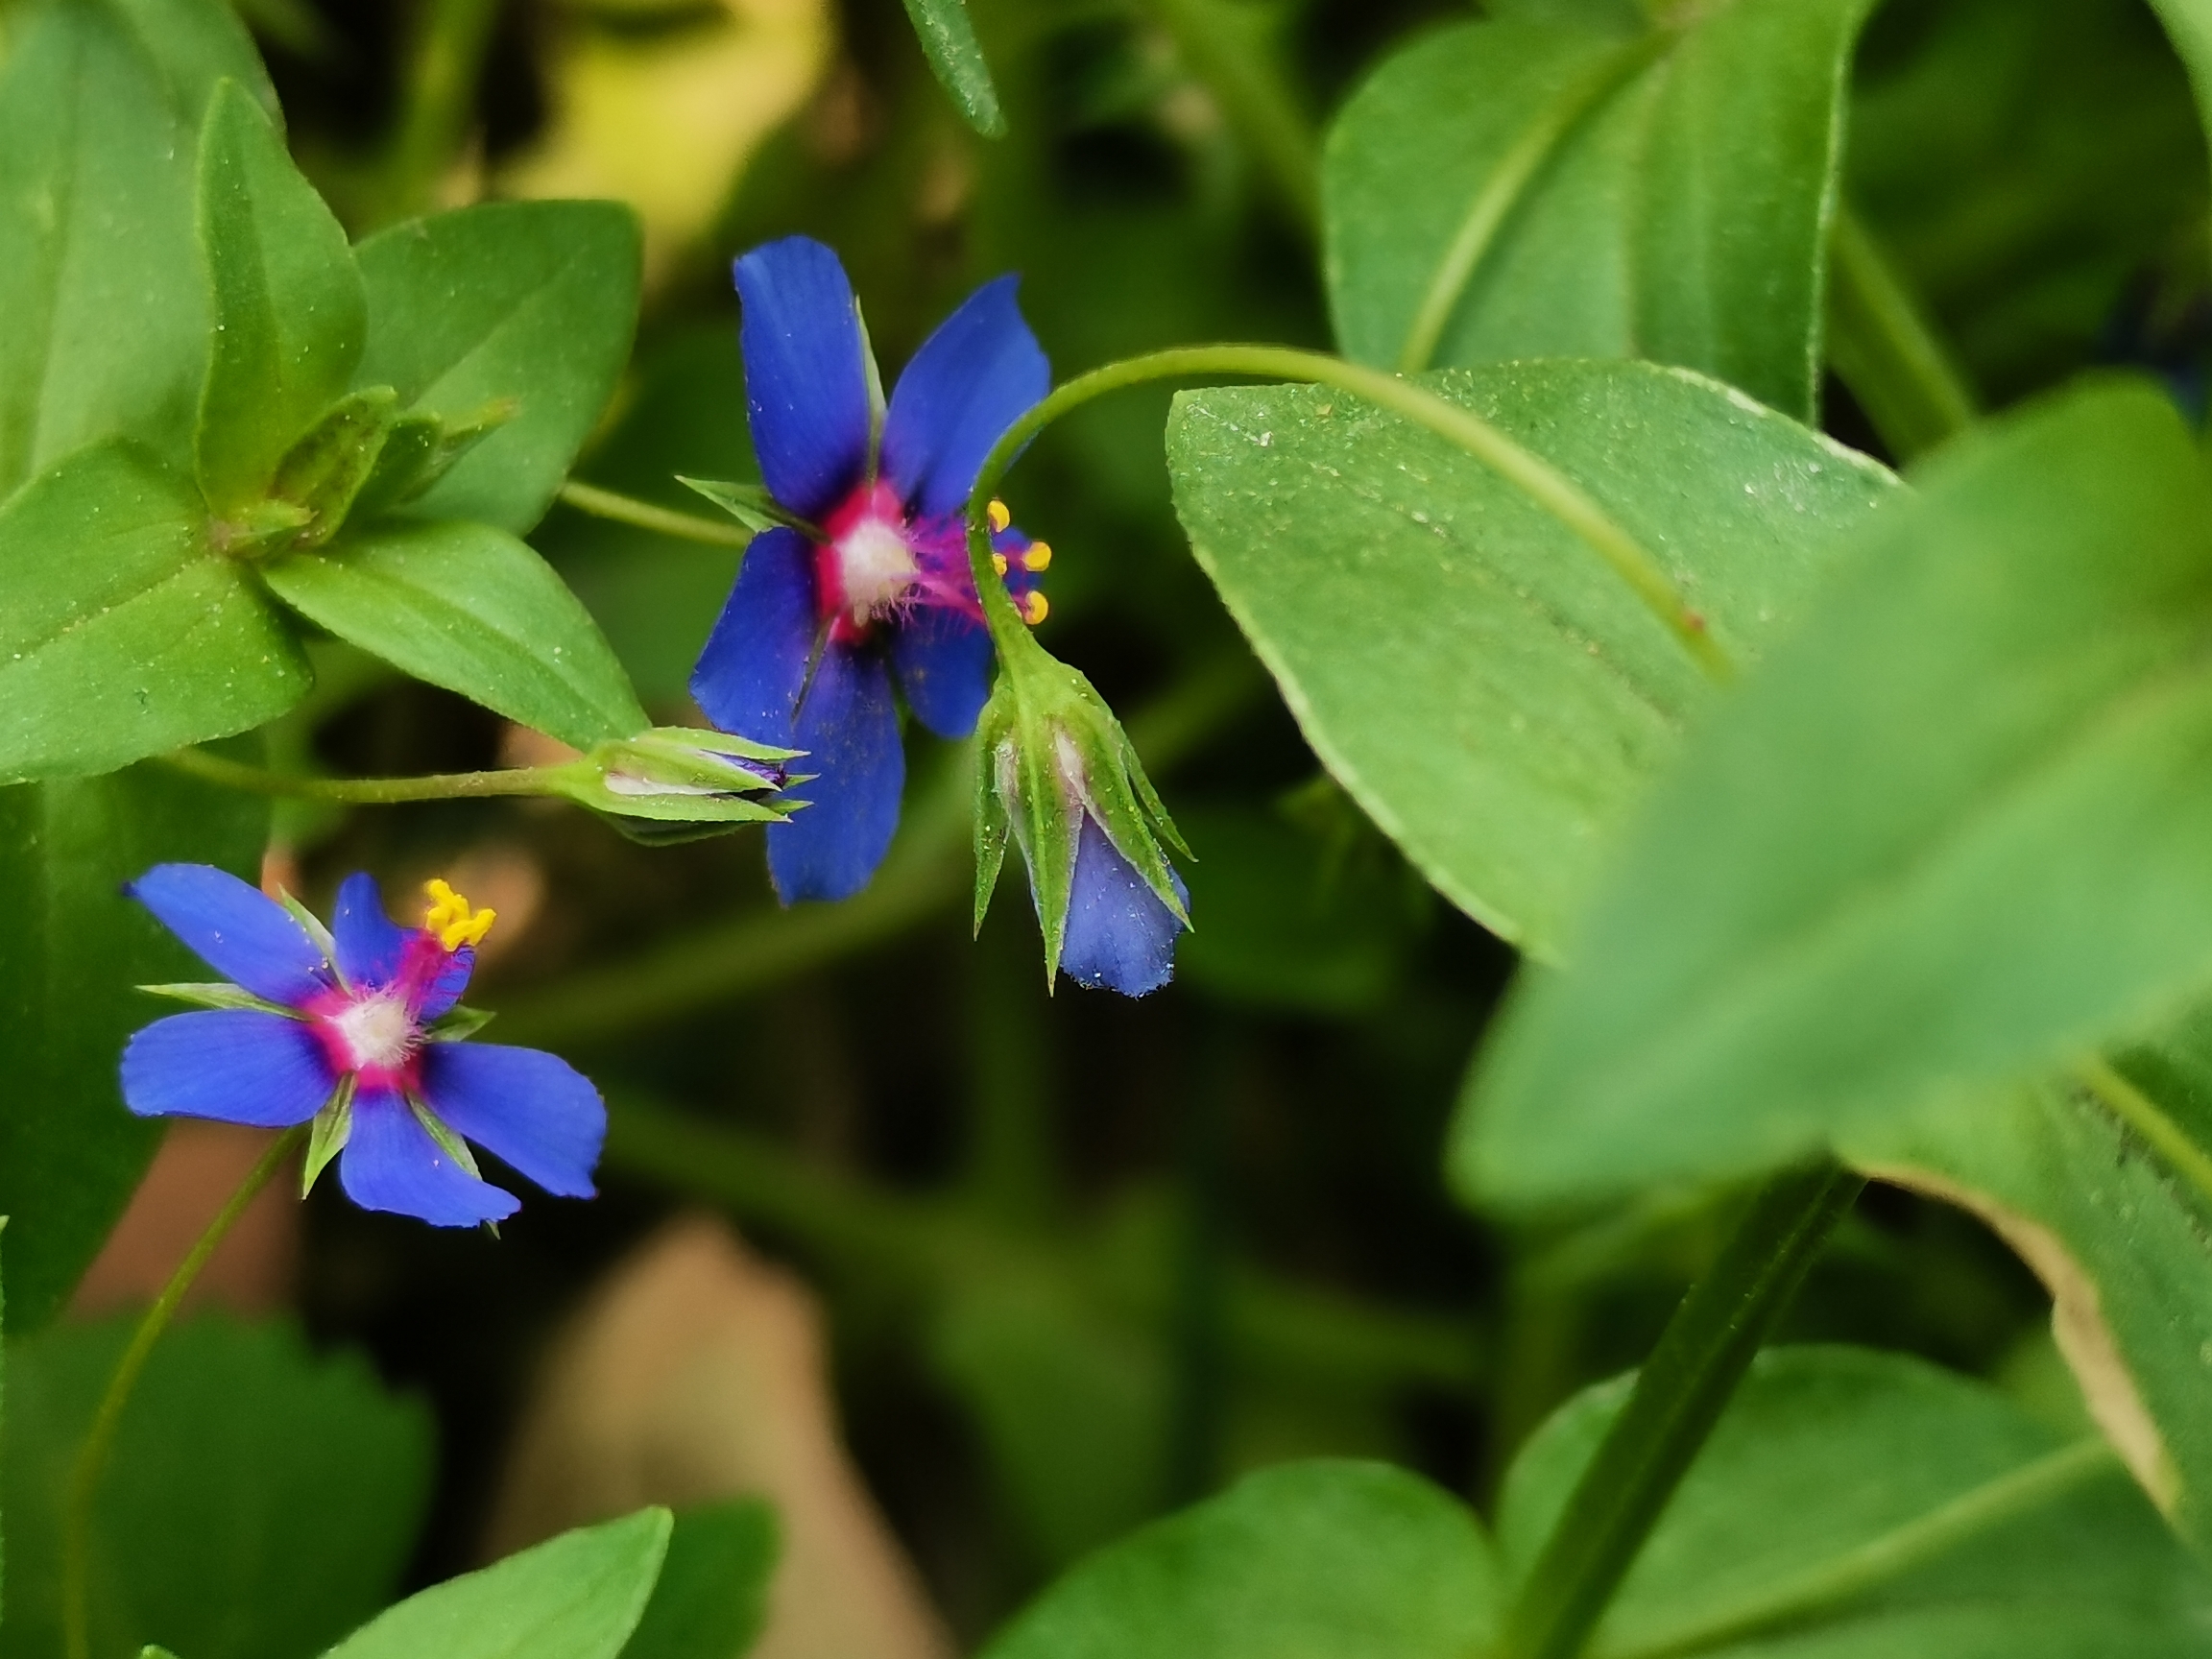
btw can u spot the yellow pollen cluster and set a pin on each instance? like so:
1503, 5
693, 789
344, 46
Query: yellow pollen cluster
1035, 607
1038, 557
452, 921
1000, 516
999, 563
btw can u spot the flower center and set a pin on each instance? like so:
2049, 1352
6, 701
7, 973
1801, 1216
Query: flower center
876, 567
376, 1032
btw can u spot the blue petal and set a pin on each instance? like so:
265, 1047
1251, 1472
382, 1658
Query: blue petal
850, 729
236, 929
537, 1112
805, 374
1120, 936
445, 990
749, 676
370, 944
944, 661
391, 1163
980, 370
234, 1065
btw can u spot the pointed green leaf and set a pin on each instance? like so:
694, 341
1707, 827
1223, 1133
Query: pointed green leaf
528, 304
121, 634
949, 41
469, 608
289, 317
711, 1598
327, 469
1482, 685
575, 1596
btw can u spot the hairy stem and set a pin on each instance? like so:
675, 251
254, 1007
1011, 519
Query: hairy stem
666, 520
1537, 479
1884, 347
1680, 1395
364, 791
92, 1456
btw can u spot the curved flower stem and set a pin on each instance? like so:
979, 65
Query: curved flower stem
365, 791
1884, 347
84, 1475
666, 520
1535, 477
1680, 1395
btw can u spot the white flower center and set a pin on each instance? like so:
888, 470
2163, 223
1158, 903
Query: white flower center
876, 565
378, 1032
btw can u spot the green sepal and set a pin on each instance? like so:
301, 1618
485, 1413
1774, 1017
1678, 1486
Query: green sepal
679, 775
419, 450
448, 1143
457, 1023
313, 924
258, 528
327, 1136
220, 996
750, 504
327, 470
992, 828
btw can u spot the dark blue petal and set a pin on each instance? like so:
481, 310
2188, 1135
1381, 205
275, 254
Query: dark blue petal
446, 987
850, 729
1120, 936
234, 1065
236, 929
392, 1164
805, 374
749, 674
980, 370
370, 944
944, 661
538, 1113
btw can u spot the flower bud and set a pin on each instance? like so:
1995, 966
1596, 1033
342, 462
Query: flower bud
680, 775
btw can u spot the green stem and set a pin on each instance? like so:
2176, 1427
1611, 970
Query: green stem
668, 521
92, 1456
1678, 1397
2144, 1114
366, 791
438, 101
1502, 190
1537, 479
1228, 45
1882, 1560
1886, 348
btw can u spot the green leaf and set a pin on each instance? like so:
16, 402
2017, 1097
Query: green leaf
259, 1500
711, 1598
289, 315
70, 1155
1479, 680
1306, 1561
329, 468
2189, 22
1860, 1504
527, 303
121, 634
469, 608
1518, 189
575, 1596
1957, 829
949, 41
106, 328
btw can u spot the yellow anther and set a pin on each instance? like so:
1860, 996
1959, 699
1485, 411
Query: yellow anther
999, 563
450, 918
1039, 556
1000, 516
1035, 607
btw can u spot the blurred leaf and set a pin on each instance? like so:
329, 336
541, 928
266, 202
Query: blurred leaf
122, 632
1526, 189
289, 315
258, 1501
1954, 832
575, 1596
1479, 680
949, 41
1860, 1504
711, 1598
1307, 1561
2190, 24
531, 303
469, 608
106, 326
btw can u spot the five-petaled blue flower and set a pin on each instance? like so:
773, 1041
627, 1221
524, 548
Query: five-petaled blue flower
805, 650
348, 1022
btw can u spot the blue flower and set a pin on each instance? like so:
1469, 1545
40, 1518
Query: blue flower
1121, 936
819, 625
356, 1028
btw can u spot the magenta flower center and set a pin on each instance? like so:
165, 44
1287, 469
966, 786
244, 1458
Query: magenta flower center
876, 563
374, 1033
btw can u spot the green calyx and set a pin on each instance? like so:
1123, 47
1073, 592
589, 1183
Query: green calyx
1050, 753
679, 775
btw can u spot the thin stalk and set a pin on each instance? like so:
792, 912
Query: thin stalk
365, 791
1886, 348
1535, 477
666, 520
1505, 186
1678, 1397
1226, 46
438, 101
2148, 1118
92, 1456
1823, 1591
